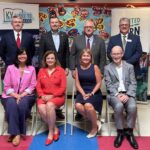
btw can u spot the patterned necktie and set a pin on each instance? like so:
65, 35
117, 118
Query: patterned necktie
18, 40
124, 42
88, 44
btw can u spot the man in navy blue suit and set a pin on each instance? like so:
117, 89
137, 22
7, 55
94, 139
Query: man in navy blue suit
15, 39
130, 43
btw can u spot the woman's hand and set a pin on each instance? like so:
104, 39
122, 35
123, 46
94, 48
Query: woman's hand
47, 97
86, 96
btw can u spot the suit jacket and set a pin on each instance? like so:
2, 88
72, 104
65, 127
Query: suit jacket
47, 43
133, 50
112, 79
98, 50
14, 83
8, 46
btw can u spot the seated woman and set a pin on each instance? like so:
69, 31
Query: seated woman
18, 95
88, 80
51, 86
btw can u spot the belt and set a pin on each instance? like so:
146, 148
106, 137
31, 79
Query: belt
123, 92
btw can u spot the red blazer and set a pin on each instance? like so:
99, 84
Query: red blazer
54, 84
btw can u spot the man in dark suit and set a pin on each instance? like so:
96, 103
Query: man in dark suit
130, 43
121, 86
90, 41
57, 41
15, 39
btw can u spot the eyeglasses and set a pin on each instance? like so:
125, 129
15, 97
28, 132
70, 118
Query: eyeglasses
91, 27
116, 54
124, 25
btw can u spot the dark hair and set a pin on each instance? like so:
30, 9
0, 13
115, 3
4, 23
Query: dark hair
19, 52
44, 58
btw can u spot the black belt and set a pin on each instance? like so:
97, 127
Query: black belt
123, 92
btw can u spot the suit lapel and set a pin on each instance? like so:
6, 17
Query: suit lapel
94, 43
83, 41
124, 71
13, 38
50, 40
113, 69
61, 41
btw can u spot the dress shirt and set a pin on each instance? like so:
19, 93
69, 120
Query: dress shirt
120, 75
56, 39
20, 35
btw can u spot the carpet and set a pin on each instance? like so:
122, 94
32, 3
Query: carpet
24, 144
107, 142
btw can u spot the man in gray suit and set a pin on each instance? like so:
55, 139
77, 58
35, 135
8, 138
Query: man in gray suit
121, 86
90, 41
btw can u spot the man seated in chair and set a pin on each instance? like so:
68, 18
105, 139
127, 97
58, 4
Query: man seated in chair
121, 86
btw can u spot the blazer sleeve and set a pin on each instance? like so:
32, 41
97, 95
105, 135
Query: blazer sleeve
32, 85
8, 87
38, 86
2, 47
61, 90
67, 52
110, 45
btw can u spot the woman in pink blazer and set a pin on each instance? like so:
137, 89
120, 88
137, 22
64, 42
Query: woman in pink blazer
18, 95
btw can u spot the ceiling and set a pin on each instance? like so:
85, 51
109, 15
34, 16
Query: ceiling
78, 1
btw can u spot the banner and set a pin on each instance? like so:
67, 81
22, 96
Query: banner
29, 13
139, 25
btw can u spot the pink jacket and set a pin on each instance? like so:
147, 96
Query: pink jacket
14, 83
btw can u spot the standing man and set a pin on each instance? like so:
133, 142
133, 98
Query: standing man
57, 41
121, 86
90, 41
15, 39
130, 43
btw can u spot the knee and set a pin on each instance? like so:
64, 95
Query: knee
89, 107
50, 106
132, 109
119, 108
78, 106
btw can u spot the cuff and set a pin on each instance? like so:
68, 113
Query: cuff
28, 91
9, 91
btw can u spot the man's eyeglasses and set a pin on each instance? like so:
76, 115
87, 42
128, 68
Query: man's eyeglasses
91, 27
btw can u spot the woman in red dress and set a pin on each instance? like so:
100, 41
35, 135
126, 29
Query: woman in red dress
51, 86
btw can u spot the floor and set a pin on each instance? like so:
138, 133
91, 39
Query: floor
143, 113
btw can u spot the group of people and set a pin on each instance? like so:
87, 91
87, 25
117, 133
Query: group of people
87, 61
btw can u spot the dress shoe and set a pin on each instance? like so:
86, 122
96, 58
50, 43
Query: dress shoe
16, 140
78, 117
118, 140
60, 115
56, 135
132, 140
48, 141
10, 138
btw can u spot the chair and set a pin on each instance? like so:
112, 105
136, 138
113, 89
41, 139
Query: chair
74, 112
110, 113
29, 121
38, 118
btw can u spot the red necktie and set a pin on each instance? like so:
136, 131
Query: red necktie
18, 40
88, 44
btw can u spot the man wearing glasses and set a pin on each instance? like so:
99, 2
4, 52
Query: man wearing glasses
130, 43
90, 41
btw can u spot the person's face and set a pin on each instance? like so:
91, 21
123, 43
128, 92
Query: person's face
54, 24
86, 58
89, 28
124, 27
117, 55
22, 57
51, 60
17, 24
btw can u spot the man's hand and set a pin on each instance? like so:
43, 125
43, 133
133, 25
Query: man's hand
123, 97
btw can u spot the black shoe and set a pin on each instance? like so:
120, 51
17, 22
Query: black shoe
59, 114
119, 139
78, 117
132, 140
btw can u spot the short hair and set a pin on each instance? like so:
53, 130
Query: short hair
124, 19
19, 52
89, 20
17, 16
44, 65
86, 50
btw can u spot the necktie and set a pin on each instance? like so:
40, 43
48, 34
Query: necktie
88, 44
18, 40
124, 42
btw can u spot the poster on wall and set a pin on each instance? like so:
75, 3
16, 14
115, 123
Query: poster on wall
72, 19
29, 13
139, 25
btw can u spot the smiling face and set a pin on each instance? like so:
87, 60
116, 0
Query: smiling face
22, 58
17, 24
117, 54
124, 26
89, 28
54, 24
86, 58
51, 60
